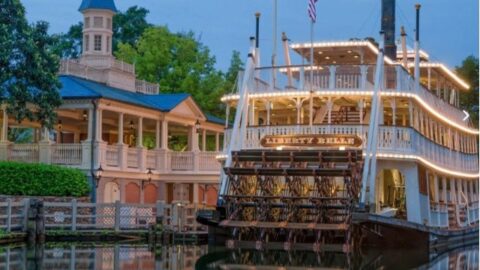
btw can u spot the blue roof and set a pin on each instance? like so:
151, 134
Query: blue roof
77, 88
98, 4
214, 119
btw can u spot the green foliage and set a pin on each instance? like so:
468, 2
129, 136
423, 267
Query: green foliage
28, 68
20, 135
69, 45
180, 63
469, 100
41, 180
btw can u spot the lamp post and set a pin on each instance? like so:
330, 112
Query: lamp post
98, 175
149, 177
197, 126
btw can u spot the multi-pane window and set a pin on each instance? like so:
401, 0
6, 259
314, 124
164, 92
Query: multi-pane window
97, 43
108, 44
87, 42
87, 22
98, 22
109, 23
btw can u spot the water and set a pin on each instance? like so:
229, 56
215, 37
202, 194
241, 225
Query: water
140, 256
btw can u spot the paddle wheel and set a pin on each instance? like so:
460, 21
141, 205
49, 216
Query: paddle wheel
292, 198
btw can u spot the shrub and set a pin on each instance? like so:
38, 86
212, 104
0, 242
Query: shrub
41, 180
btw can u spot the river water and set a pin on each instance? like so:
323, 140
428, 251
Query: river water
139, 256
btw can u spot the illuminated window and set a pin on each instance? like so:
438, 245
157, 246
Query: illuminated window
87, 22
97, 43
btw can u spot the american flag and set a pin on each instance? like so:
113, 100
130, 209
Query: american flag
312, 11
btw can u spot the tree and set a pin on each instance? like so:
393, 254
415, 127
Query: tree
28, 68
469, 100
69, 45
179, 63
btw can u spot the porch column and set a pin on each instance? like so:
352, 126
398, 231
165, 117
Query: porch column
140, 133
471, 195
158, 137
4, 137
120, 128
193, 138
269, 107
90, 125
164, 141
361, 105
298, 105
195, 193
99, 125
217, 141
429, 83
204, 140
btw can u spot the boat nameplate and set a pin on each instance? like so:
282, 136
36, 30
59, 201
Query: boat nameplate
313, 140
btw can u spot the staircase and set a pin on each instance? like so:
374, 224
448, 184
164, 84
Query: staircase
292, 197
345, 115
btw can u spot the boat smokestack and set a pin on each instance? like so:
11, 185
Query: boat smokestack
417, 23
388, 27
257, 29
403, 34
416, 72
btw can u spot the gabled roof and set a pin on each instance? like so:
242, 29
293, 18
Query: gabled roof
77, 88
98, 4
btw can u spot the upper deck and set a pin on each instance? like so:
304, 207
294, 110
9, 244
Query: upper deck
347, 69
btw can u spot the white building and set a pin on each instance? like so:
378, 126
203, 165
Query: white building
107, 118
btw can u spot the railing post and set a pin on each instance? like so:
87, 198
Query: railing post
363, 79
160, 213
74, 214
9, 215
45, 152
196, 161
86, 156
117, 215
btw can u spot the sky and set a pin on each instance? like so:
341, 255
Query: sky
448, 28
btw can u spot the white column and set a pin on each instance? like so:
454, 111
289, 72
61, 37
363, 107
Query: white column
361, 105
193, 138
444, 190
453, 192
164, 142
435, 187
429, 70
195, 193
329, 108
120, 128
99, 125
90, 125
298, 105
140, 132
204, 140
394, 112
217, 142
269, 107
158, 137
4, 137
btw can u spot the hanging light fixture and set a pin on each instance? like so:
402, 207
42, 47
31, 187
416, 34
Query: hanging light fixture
197, 126
131, 125
59, 125
84, 115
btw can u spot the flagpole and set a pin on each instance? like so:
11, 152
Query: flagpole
311, 75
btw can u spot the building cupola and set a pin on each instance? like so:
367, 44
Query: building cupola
97, 28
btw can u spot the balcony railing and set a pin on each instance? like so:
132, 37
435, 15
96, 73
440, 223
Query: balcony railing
146, 87
269, 80
392, 141
115, 157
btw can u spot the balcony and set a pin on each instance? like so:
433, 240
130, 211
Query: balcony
338, 80
113, 157
393, 143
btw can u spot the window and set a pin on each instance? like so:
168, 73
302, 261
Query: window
109, 23
87, 42
87, 22
98, 22
97, 43
108, 44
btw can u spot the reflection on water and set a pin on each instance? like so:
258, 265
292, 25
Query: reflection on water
139, 256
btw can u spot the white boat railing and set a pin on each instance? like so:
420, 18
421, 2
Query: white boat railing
392, 141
